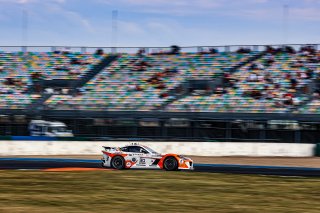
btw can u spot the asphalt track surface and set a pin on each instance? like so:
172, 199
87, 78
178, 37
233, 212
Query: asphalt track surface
50, 163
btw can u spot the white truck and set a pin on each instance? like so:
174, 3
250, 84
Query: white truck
49, 128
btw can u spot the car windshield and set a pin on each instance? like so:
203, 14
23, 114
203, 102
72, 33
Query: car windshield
58, 129
151, 150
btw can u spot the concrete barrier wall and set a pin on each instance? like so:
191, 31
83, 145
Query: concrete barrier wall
8, 148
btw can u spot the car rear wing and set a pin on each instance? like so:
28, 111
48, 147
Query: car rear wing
109, 148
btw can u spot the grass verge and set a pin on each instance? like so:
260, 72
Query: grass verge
155, 191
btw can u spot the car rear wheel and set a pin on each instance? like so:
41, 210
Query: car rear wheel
118, 162
170, 164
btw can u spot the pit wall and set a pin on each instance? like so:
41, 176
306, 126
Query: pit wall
8, 148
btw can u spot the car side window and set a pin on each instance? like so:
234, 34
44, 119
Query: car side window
135, 149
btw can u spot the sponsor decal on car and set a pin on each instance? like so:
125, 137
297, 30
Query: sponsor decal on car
142, 161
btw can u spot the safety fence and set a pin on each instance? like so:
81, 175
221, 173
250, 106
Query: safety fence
155, 49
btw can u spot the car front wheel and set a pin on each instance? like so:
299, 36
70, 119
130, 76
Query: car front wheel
170, 164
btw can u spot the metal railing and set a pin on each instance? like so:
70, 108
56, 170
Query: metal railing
155, 49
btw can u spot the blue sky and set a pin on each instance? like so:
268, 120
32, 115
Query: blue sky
159, 22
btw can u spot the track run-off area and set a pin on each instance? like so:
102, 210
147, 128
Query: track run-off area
64, 164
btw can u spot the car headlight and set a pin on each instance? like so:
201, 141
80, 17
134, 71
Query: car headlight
183, 157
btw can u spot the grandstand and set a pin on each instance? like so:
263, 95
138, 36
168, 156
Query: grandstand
128, 85
212, 88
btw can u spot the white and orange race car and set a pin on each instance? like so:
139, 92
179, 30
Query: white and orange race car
139, 156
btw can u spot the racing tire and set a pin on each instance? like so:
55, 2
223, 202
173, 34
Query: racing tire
170, 164
118, 162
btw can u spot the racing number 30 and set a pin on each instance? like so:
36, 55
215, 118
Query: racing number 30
142, 161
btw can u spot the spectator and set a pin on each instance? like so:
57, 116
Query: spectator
138, 88
9, 81
270, 50
164, 95
99, 52
213, 51
175, 50
141, 52
289, 49
253, 77
243, 50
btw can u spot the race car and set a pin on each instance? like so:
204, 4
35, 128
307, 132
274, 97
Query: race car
140, 156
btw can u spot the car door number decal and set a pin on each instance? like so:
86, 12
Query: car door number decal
142, 161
